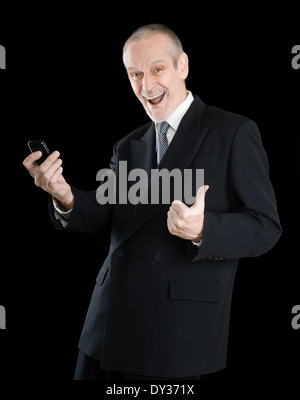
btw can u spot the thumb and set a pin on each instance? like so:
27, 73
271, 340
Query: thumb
199, 203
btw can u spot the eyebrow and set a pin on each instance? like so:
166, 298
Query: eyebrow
131, 68
155, 61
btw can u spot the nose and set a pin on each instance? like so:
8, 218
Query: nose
148, 84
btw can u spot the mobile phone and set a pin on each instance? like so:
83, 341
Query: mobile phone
39, 145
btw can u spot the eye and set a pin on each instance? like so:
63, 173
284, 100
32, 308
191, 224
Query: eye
136, 75
158, 70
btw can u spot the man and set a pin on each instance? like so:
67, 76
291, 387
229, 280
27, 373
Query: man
161, 304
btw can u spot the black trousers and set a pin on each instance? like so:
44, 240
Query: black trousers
88, 368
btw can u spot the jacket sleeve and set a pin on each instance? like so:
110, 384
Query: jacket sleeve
252, 227
87, 215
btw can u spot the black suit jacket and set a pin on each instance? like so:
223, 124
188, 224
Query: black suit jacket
161, 306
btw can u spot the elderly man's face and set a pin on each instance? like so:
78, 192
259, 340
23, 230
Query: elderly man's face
157, 83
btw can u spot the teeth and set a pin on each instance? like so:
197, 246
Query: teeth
154, 97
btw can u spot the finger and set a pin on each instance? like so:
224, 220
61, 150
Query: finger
173, 229
175, 220
179, 207
48, 174
174, 215
49, 161
29, 160
54, 178
200, 196
201, 193
41, 178
171, 225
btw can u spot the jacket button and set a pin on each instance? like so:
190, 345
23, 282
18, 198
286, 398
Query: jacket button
119, 253
158, 257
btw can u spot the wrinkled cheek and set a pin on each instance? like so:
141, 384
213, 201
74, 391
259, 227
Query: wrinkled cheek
148, 108
145, 104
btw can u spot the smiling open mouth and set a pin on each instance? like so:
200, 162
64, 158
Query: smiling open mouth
155, 99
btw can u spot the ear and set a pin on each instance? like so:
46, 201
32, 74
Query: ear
183, 65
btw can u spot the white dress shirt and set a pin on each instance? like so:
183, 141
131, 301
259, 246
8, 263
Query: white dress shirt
176, 116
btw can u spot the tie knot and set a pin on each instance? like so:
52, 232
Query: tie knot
162, 127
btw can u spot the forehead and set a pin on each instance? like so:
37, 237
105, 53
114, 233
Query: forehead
144, 52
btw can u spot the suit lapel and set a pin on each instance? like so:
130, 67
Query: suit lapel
142, 151
182, 150
187, 139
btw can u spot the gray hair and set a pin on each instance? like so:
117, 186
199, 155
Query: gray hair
147, 30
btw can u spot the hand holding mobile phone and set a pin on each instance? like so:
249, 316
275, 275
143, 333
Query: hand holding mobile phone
54, 184
39, 145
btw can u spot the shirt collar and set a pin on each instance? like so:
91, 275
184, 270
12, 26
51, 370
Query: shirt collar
176, 116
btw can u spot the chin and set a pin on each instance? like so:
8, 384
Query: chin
158, 116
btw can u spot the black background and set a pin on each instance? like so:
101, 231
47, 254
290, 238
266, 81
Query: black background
65, 83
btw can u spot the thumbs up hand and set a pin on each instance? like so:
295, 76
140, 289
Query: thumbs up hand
187, 222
